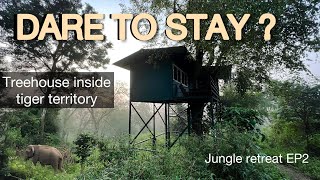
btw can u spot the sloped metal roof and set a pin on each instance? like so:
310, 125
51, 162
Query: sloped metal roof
145, 54
160, 54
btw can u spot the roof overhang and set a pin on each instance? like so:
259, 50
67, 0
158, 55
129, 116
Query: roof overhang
143, 55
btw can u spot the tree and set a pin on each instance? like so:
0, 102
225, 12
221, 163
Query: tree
65, 116
96, 120
295, 33
101, 116
48, 54
3, 140
256, 100
84, 147
299, 102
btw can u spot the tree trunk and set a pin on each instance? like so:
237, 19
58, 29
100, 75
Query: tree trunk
307, 130
197, 109
47, 93
42, 123
94, 121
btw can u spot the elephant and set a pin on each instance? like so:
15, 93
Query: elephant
46, 155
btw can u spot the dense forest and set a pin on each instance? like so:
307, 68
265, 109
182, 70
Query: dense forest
269, 122
260, 114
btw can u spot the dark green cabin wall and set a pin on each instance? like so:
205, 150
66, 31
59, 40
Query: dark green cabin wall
151, 84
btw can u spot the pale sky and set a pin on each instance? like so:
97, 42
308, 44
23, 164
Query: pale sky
122, 49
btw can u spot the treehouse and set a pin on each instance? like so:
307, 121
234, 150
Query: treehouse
169, 75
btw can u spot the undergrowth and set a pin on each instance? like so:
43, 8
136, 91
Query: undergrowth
115, 159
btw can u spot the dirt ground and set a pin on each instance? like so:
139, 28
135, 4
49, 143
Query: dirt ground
292, 173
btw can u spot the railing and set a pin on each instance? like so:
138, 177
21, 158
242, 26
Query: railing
204, 89
214, 88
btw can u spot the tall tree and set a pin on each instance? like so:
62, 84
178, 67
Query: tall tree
295, 33
48, 54
299, 102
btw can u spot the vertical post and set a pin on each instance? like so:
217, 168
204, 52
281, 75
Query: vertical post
166, 123
130, 119
154, 126
218, 110
168, 108
214, 132
189, 119
212, 113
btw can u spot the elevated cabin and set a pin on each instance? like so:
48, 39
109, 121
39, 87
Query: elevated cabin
166, 75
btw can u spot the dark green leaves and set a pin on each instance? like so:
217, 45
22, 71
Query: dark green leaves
49, 54
84, 146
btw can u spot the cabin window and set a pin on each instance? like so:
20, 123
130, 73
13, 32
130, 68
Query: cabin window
180, 76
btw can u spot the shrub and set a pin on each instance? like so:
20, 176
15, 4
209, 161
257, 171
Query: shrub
3, 163
183, 161
26, 170
84, 146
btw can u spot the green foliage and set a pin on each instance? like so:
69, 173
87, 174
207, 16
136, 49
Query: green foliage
259, 101
3, 144
295, 33
183, 161
52, 139
23, 127
285, 136
299, 101
84, 146
50, 54
114, 159
51, 121
314, 145
15, 138
294, 127
312, 168
244, 119
10, 135
26, 170
232, 139
179, 123
113, 151
26, 119
3, 162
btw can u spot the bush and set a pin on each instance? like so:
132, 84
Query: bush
312, 168
287, 137
183, 161
26, 170
313, 147
84, 147
3, 163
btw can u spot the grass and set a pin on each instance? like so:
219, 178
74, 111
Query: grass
26, 170
312, 168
